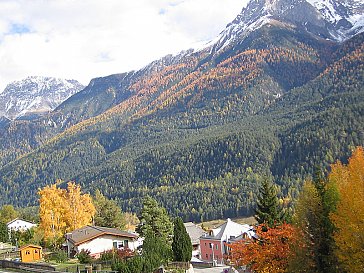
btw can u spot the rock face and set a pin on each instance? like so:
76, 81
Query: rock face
332, 20
35, 95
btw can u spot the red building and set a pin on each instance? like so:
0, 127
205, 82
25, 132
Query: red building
213, 245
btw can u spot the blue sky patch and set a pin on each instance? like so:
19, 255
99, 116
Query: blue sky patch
18, 29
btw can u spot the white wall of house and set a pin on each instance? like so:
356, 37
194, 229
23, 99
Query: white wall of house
105, 243
20, 225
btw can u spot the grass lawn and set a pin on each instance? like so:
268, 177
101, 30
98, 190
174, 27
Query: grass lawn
69, 266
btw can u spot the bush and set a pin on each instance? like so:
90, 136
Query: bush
107, 256
135, 264
131, 265
58, 256
84, 257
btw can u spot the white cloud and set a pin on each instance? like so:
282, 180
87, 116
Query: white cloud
84, 39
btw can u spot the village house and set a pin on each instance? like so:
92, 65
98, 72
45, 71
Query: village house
213, 245
195, 232
20, 225
98, 240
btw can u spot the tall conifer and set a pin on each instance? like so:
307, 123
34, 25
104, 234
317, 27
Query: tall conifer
268, 210
181, 245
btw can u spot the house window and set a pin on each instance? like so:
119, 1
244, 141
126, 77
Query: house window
217, 246
226, 249
210, 244
120, 244
207, 255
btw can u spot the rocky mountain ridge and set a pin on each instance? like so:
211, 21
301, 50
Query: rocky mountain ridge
332, 20
35, 95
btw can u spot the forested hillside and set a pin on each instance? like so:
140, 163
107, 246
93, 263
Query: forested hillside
200, 130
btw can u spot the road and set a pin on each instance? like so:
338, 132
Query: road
210, 270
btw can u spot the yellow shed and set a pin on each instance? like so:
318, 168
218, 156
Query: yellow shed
30, 253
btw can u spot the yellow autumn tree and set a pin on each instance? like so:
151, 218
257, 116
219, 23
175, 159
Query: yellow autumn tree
80, 209
349, 215
61, 211
51, 213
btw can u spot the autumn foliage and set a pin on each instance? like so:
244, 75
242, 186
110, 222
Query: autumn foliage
269, 252
63, 210
349, 215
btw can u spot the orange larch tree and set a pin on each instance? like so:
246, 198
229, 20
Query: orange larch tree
269, 252
349, 215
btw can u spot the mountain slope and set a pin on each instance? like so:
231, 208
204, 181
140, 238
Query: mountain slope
199, 130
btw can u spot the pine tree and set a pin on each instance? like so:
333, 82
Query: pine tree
4, 233
307, 219
155, 252
157, 229
325, 257
312, 209
108, 213
155, 220
268, 210
181, 245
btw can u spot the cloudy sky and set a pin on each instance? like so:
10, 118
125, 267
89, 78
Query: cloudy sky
83, 39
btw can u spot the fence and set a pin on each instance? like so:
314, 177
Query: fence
202, 264
178, 265
42, 268
100, 267
24, 266
8, 255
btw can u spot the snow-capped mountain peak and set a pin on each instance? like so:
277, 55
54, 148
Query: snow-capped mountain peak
346, 15
336, 20
35, 94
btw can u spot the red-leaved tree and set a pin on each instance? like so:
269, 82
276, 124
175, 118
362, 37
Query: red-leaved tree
267, 253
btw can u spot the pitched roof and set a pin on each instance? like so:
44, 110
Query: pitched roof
228, 230
88, 233
30, 245
194, 231
18, 219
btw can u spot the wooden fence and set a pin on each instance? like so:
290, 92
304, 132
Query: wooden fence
27, 266
7, 255
178, 265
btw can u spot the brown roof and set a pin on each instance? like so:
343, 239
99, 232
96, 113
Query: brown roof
88, 233
33, 246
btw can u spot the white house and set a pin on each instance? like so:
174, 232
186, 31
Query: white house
20, 225
98, 240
